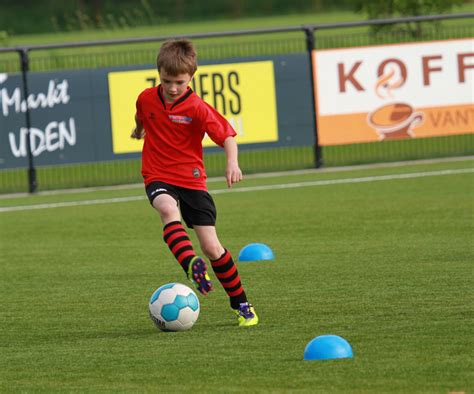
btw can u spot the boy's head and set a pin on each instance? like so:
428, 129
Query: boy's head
177, 57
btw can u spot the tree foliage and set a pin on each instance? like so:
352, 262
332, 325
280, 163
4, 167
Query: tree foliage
376, 9
33, 16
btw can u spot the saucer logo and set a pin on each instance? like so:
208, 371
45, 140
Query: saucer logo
395, 120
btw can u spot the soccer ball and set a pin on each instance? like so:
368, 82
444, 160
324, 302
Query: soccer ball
174, 307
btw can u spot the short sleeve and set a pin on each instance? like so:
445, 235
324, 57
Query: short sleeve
214, 124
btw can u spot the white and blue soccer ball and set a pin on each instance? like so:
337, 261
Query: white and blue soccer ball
174, 307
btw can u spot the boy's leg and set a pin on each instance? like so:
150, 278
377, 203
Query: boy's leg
227, 273
222, 264
167, 208
177, 239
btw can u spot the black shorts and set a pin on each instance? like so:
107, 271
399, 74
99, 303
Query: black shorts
197, 206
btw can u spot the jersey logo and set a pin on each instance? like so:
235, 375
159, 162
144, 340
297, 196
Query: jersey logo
180, 119
196, 173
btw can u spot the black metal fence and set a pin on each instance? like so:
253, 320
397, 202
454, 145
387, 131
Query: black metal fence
238, 44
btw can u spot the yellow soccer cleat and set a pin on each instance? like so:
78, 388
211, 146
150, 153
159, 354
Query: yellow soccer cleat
246, 315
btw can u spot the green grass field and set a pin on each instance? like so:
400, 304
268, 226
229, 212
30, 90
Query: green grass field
251, 161
384, 262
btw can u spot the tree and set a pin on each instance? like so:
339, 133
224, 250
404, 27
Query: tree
376, 9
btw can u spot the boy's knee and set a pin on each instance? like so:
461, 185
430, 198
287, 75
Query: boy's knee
212, 250
166, 209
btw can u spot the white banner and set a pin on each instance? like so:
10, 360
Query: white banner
419, 89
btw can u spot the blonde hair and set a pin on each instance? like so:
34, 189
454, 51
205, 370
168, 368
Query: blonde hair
177, 57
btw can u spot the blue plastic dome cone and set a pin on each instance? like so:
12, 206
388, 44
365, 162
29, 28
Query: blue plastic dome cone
255, 252
327, 347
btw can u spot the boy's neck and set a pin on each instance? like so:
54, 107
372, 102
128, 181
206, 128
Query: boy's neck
172, 101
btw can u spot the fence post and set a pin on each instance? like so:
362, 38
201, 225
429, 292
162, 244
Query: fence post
25, 66
310, 46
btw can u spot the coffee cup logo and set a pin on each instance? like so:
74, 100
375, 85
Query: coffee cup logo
395, 121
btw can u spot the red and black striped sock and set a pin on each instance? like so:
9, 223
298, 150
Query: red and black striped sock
226, 272
179, 243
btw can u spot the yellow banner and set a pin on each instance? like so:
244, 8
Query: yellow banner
244, 93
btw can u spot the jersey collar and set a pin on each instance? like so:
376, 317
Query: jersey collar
180, 100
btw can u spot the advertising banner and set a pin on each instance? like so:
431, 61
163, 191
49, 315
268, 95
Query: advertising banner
379, 93
244, 93
81, 116
62, 119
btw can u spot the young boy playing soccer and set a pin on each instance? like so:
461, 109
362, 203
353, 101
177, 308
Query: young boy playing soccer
173, 121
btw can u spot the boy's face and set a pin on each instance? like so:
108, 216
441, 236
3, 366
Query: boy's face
174, 85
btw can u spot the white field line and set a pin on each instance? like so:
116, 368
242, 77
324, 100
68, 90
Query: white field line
251, 189
346, 180
253, 176
71, 203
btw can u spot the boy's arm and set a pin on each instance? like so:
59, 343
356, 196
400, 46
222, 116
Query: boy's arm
233, 173
138, 132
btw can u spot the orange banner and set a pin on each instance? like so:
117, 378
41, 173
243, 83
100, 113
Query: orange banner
387, 124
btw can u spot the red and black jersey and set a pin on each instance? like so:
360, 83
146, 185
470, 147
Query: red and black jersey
172, 151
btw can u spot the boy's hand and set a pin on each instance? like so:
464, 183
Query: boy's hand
233, 173
137, 133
